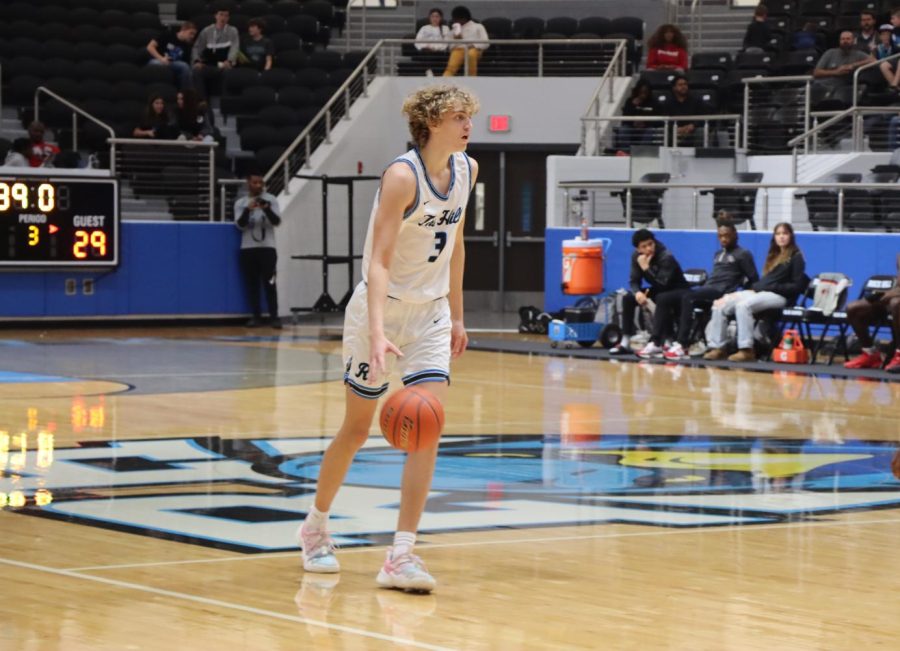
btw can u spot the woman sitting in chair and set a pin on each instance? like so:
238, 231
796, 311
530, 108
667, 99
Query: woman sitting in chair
783, 279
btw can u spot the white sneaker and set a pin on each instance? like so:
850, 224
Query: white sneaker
318, 551
675, 351
697, 349
406, 572
650, 350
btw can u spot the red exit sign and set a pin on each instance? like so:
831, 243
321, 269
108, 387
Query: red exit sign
498, 123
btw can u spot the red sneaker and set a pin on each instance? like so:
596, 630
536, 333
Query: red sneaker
866, 360
894, 365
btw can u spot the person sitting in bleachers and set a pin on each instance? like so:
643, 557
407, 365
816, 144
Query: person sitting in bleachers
667, 49
685, 133
783, 279
866, 39
18, 154
867, 311
433, 35
805, 38
465, 29
834, 71
192, 117
758, 34
886, 47
173, 48
733, 267
257, 50
156, 122
42, 152
639, 104
215, 49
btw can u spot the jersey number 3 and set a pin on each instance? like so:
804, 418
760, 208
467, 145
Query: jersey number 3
440, 241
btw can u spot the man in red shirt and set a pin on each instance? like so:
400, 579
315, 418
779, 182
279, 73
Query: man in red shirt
42, 153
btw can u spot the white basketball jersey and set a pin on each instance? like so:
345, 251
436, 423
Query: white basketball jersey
420, 267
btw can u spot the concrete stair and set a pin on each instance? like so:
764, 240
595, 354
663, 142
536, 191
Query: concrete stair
367, 25
717, 26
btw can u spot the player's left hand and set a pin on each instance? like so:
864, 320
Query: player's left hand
458, 339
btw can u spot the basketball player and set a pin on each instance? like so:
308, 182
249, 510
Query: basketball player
409, 308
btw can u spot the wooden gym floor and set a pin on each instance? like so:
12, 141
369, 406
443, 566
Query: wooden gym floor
151, 482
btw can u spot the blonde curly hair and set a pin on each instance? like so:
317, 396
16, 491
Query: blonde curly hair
428, 105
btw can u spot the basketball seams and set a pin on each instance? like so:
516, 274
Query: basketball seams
407, 409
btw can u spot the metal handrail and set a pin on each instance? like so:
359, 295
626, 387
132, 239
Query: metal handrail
76, 112
186, 144
747, 81
666, 119
222, 183
871, 64
698, 187
771, 80
283, 162
793, 142
620, 55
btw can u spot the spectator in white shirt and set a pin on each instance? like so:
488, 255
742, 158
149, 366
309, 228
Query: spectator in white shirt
465, 29
433, 36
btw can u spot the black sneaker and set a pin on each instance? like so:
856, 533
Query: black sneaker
275, 322
253, 323
621, 350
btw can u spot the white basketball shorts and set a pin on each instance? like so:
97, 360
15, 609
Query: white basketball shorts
420, 330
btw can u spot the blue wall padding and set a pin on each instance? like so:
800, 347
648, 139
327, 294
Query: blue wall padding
859, 255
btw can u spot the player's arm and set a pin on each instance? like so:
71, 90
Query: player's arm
398, 191
458, 337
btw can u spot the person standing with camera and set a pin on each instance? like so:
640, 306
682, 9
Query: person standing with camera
256, 214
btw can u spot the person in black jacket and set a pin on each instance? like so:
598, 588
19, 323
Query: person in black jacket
783, 279
733, 267
758, 34
651, 264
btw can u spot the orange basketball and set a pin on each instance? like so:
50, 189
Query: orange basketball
412, 419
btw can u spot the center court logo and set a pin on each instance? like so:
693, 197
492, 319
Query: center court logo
250, 494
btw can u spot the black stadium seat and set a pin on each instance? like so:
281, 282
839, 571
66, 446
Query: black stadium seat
498, 27
528, 27
295, 97
564, 25
277, 78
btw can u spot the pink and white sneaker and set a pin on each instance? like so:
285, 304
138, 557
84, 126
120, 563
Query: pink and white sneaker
405, 572
318, 551
675, 351
650, 350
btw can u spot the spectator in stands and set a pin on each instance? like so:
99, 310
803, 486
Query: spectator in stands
834, 71
667, 49
156, 122
19, 153
173, 48
465, 29
867, 36
216, 48
651, 263
639, 104
257, 50
733, 267
887, 47
758, 34
783, 279
866, 312
895, 23
433, 35
192, 117
805, 39
685, 133
42, 152
257, 215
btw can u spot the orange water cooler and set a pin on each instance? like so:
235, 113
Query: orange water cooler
582, 266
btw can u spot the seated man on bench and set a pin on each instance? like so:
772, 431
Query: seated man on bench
866, 312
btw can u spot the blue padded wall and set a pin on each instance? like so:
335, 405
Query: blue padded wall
859, 255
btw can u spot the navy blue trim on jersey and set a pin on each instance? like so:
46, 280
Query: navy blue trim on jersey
365, 392
415, 203
428, 375
431, 187
469, 163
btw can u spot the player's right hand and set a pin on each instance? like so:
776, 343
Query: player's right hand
380, 347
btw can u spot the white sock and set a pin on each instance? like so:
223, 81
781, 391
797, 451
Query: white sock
403, 543
626, 341
316, 520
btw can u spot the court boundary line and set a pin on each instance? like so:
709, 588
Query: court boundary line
514, 541
224, 604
